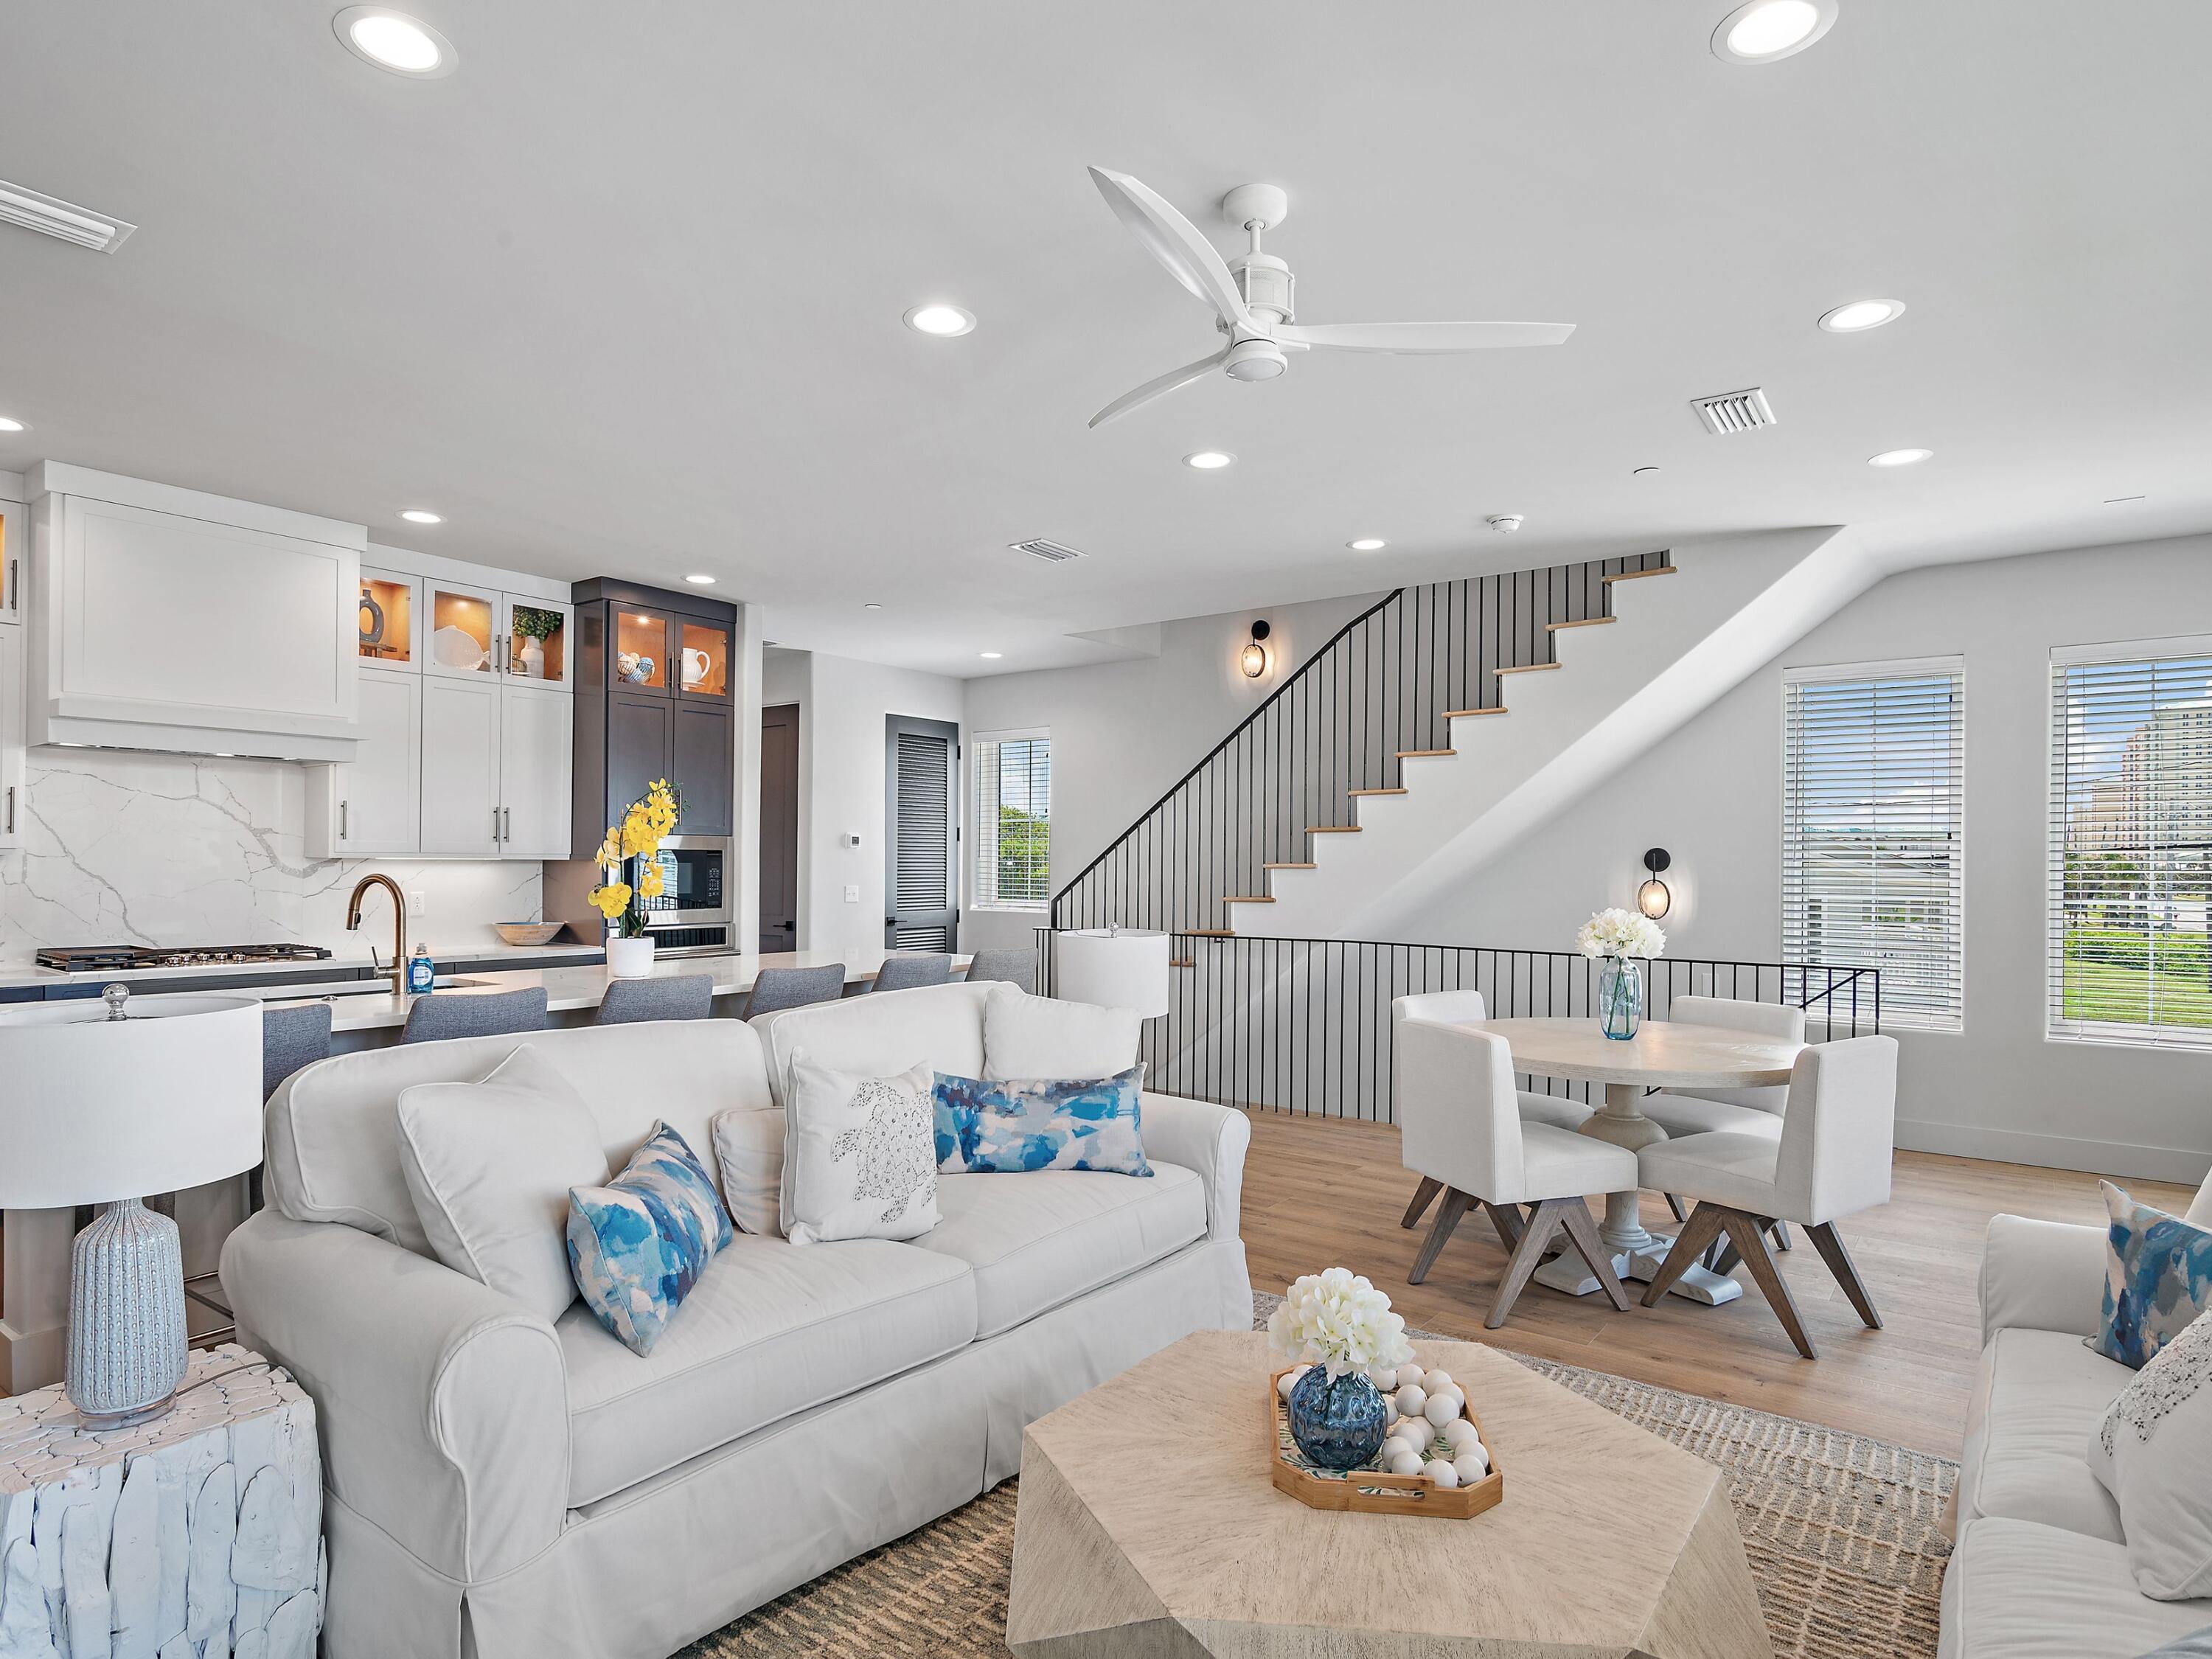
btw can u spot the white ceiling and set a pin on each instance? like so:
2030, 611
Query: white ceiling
623, 294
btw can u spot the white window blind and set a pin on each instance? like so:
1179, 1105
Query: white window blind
1013, 820
1872, 830
2131, 844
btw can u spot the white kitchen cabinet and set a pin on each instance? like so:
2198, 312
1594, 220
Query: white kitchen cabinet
12, 754
460, 766
15, 560
370, 806
536, 723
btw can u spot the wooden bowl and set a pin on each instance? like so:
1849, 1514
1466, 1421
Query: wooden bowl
526, 932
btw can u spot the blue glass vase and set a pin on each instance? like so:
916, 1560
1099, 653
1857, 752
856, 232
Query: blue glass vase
1338, 1426
1620, 997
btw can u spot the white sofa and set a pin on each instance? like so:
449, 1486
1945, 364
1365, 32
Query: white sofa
2039, 1570
498, 1487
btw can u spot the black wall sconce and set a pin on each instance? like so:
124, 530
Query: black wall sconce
1253, 659
1654, 898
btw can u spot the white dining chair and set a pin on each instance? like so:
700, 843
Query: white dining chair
1465, 1008
1736, 1111
1831, 1159
1461, 1126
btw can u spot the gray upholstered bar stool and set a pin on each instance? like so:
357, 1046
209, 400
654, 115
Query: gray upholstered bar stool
904, 972
630, 1001
291, 1039
445, 1014
795, 988
1018, 967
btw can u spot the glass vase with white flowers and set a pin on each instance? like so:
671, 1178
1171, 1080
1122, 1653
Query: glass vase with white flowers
1623, 941
1338, 1325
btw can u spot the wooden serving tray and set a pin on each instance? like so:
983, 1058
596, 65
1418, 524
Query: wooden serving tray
1374, 1491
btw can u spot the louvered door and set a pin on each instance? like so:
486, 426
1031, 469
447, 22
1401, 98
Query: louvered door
921, 894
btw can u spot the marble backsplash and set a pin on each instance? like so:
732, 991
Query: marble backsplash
130, 848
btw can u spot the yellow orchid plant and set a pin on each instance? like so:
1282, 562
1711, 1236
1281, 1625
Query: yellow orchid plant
629, 850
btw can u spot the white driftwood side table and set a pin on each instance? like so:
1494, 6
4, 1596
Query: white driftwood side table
197, 1536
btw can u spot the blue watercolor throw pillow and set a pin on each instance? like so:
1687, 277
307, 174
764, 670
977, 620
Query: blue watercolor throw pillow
2158, 1277
1007, 1126
638, 1244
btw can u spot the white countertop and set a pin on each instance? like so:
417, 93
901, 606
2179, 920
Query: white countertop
566, 988
13, 975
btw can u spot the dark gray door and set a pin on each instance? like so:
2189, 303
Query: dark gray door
779, 829
921, 895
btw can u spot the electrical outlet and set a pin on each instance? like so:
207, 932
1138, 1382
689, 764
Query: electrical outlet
418, 901
852, 893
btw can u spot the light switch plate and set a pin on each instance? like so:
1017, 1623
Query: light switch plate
418, 901
852, 893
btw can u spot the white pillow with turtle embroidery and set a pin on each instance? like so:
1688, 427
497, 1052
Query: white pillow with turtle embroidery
2152, 1451
859, 1154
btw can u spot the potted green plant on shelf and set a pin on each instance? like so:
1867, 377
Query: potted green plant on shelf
536, 625
633, 876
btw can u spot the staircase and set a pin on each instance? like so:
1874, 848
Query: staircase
1446, 723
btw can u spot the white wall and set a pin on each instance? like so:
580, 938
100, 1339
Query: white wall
1123, 733
842, 706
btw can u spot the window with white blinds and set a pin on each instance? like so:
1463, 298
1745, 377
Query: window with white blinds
1013, 820
2131, 876
1873, 830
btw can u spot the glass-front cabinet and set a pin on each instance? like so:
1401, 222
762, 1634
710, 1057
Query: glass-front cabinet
464, 638
536, 634
389, 600
705, 661
642, 639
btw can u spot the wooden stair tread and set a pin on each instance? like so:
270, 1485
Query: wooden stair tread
1630, 576
1526, 668
1425, 754
1209, 932
1586, 622
1355, 792
1331, 828
1290, 867
1249, 898
1469, 714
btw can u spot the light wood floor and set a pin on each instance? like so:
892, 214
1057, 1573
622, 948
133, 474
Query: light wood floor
1324, 1192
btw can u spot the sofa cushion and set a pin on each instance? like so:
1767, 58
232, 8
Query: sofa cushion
2158, 1278
2015, 1589
771, 1328
1014, 1126
1039, 1239
1026, 1037
2152, 1452
639, 1245
1695, 1114
859, 1154
2038, 1400
749, 1158
939, 1026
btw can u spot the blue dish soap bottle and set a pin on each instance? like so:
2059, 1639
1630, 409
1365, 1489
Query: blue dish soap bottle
421, 970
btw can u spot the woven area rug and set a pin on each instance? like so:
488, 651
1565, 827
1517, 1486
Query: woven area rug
1842, 1533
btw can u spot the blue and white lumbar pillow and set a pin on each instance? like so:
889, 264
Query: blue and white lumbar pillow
1017, 1124
638, 1244
2158, 1278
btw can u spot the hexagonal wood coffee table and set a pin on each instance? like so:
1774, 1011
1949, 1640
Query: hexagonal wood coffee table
1148, 1526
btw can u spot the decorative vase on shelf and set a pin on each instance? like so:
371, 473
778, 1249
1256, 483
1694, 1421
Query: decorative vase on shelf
629, 958
1620, 997
1337, 1425
533, 657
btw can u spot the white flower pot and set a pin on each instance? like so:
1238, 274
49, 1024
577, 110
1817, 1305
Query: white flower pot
629, 958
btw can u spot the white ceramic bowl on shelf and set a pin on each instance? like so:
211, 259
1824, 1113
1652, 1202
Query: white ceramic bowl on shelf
456, 647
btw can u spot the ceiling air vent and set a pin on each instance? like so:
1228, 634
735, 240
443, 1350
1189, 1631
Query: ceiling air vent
1734, 411
100, 232
1050, 552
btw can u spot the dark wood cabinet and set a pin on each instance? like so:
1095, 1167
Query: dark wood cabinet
701, 765
641, 750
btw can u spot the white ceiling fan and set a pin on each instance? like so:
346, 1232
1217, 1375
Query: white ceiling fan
1255, 296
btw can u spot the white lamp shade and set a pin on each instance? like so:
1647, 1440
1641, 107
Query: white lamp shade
94, 1110
1114, 970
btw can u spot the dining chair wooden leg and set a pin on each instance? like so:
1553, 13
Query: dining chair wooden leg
1830, 1243
1423, 1196
1748, 1234
1689, 1244
1506, 1217
1779, 1232
1455, 1205
1675, 1206
1526, 1256
1725, 1260
1584, 1232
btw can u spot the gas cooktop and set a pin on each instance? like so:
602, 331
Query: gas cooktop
112, 958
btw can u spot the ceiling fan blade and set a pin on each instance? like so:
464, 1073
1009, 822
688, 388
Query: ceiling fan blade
1420, 339
1174, 242
1159, 388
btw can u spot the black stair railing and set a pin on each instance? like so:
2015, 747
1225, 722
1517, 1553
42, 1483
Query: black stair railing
1384, 688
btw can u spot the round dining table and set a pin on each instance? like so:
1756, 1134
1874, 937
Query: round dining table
1662, 1055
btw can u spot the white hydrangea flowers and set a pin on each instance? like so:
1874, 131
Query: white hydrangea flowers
1620, 934
1339, 1320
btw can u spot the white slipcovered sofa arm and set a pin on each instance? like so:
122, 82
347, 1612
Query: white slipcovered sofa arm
1206, 1138
2042, 1276
444, 1405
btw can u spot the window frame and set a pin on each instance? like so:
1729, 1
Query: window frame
1894, 1014
2057, 1028
986, 823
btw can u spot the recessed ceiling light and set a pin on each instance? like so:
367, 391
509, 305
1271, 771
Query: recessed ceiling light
701, 581
393, 40
1644, 472
1368, 544
1899, 458
993, 656
871, 605
7, 425
1863, 315
417, 515
1209, 460
940, 319
1763, 30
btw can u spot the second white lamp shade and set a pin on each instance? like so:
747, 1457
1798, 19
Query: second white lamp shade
1112, 969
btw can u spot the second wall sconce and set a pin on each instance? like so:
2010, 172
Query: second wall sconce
1654, 898
1253, 659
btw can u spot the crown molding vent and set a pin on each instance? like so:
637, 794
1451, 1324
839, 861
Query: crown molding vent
50, 216
1734, 411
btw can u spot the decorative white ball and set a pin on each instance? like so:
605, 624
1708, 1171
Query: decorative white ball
1403, 1463
1383, 1377
1410, 1400
1470, 1466
1415, 1441
1436, 1381
1408, 1374
1440, 1472
1289, 1380
1442, 1408
1389, 1409
1460, 1434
